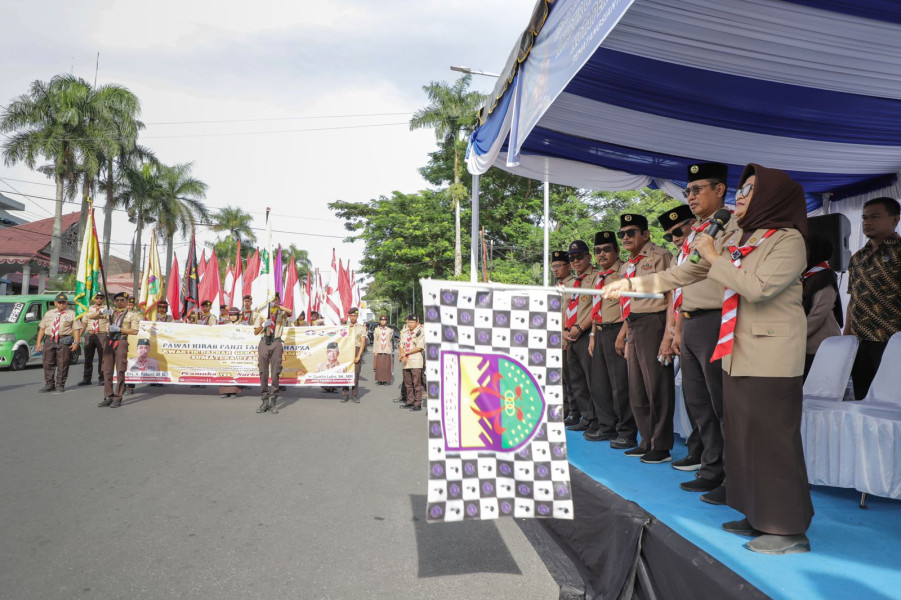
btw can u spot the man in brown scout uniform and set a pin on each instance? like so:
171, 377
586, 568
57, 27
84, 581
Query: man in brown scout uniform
576, 327
646, 345
62, 336
358, 334
206, 317
233, 320
247, 316
699, 309
412, 355
123, 323
609, 372
563, 276
270, 329
95, 325
162, 312
382, 349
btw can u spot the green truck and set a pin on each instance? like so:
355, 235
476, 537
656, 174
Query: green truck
19, 320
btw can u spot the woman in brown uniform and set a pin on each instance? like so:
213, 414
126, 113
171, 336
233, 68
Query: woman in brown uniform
230, 391
759, 261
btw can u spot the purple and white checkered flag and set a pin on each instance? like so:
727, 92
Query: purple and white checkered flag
497, 443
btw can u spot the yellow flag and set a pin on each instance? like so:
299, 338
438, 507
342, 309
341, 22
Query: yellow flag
151, 283
88, 282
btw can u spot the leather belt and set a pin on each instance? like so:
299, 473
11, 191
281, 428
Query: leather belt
606, 326
691, 314
635, 316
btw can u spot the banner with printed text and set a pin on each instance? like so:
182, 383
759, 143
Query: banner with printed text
494, 365
185, 354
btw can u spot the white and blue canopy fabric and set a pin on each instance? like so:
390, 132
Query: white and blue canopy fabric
617, 93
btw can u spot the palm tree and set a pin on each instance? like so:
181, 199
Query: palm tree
47, 122
144, 200
452, 111
236, 222
115, 184
181, 208
301, 257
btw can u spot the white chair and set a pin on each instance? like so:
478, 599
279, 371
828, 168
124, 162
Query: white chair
831, 369
886, 386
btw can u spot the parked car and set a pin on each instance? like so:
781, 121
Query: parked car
19, 320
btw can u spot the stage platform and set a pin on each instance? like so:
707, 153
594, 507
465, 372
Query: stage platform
855, 553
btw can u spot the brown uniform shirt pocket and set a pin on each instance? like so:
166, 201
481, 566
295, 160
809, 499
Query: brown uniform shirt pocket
771, 329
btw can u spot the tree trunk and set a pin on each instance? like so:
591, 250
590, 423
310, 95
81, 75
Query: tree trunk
56, 236
137, 260
108, 214
458, 251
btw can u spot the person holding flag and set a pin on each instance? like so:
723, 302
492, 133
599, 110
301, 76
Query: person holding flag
89, 298
151, 284
123, 323
94, 326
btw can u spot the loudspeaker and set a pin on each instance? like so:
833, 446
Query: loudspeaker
837, 229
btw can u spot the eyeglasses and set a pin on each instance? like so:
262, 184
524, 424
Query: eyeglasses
607, 248
744, 190
677, 232
695, 189
627, 233
578, 256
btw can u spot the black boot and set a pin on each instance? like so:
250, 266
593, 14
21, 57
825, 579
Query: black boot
272, 405
106, 402
264, 406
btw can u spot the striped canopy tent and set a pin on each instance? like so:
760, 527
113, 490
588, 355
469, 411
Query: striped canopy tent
618, 95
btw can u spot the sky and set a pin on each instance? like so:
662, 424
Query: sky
314, 98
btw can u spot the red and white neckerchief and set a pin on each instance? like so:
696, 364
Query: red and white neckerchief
625, 303
596, 301
573, 306
683, 256
815, 269
54, 329
247, 315
384, 333
95, 326
408, 342
730, 302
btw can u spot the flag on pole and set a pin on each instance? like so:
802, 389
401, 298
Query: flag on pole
251, 272
278, 271
173, 291
263, 288
210, 288
90, 270
201, 266
309, 295
228, 285
344, 291
331, 300
293, 294
237, 288
151, 282
497, 446
188, 297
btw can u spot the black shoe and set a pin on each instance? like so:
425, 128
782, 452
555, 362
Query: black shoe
60, 389
225, 395
85, 382
282, 388
779, 544
356, 400
637, 451
580, 426
47, 388
621, 443
116, 403
700, 484
100, 382
717, 496
273, 409
571, 420
655, 457
129, 391
106, 402
597, 436
402, 405
264, 406
741, 528
345, 398
689, 463
415, 408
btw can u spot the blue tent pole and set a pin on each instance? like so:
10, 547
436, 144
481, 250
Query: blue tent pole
474, 234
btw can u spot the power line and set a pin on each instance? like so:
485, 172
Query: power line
391, 114
21, 194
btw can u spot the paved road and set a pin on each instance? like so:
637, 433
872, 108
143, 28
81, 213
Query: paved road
181, 494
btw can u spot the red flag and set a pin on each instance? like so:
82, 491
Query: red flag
210, 286
290, 282
344, 290
252, 270
173, 291
237, 292
309, 296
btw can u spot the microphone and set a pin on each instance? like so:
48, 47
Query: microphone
717, 224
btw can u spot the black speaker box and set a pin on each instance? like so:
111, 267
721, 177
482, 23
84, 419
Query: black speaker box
837, 229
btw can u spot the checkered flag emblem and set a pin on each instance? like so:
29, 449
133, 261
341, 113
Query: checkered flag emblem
497, 443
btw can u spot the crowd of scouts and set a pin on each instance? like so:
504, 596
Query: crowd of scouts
733, 315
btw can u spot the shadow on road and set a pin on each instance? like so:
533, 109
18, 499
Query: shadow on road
459, 548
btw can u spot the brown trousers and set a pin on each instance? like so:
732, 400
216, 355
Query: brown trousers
93, 343
610, 385
270, 365
413, 385
766, 470
115, 355
652, 391
56, 363
357, 367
